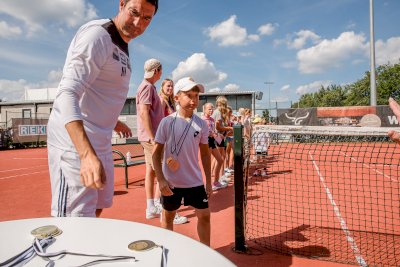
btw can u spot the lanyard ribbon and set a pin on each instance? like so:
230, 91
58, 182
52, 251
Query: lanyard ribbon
28, 254
38, 248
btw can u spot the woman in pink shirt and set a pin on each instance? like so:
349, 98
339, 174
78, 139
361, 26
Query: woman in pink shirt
212, 134
167, 97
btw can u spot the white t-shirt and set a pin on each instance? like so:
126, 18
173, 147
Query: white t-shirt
170, 131
261, 141
93, 87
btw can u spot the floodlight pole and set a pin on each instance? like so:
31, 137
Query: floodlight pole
372, 53
269, 96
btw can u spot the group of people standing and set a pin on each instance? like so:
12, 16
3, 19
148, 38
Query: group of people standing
90, 97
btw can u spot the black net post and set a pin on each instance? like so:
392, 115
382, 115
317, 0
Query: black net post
239, 188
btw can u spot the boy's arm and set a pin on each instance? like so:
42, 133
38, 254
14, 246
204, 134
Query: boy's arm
206, 161
157, 159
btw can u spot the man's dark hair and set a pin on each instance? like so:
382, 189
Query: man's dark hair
153, 2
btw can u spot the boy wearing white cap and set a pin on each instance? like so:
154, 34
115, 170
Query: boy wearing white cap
178, 140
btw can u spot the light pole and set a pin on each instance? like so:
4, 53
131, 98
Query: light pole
372, 53
269, 96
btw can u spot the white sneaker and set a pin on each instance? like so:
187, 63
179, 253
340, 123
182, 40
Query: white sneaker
264, 172
180, 219
229, 171
224, 179
218, 185
153, 212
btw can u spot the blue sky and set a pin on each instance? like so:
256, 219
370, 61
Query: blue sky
298, 45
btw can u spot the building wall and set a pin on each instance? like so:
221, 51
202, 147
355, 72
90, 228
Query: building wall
8, 111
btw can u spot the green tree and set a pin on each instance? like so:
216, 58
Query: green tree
265, 115
357, 93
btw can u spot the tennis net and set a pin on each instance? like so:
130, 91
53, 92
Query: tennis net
326, 193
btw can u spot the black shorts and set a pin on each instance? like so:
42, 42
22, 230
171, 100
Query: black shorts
223, 144
193, 196
211, 142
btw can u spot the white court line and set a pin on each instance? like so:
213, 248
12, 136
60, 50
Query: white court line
30, 158
13, 176
349, 238
369, 167
11, 170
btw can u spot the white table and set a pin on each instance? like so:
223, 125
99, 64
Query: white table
106, 236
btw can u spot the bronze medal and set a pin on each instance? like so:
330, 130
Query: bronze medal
172, 164
142, 245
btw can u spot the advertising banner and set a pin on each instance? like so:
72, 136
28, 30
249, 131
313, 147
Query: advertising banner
357, 116
29, 130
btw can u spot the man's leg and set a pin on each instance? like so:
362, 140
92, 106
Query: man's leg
152, 210
69, 197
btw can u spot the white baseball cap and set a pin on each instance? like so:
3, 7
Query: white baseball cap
150, 66
187, 84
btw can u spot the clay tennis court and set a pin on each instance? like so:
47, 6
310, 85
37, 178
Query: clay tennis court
334, 201
25, 193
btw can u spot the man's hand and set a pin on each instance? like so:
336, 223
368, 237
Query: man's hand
123, 130
394, 135
92, 172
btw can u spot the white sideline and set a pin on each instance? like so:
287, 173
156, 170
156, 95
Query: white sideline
26, 174
369, 167
343, 225
27, 168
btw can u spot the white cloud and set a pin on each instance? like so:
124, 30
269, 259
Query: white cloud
228, 33
331, 53
200, 69
388, 52
312, 87
38, 15
231, 87
216, 89
302, 37
285, 88
299, 39
267, 29
54, 78
280, 99
7, 31
14, 90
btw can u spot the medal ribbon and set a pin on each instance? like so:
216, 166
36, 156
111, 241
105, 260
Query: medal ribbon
176, 147
38, 248
28, 254
40, 252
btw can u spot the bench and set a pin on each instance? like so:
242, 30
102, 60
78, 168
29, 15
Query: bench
120, 160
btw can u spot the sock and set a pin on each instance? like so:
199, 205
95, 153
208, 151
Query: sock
150, 203
157, 201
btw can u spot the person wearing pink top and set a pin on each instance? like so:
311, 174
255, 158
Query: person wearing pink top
149, 116
167, 97
208, 109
